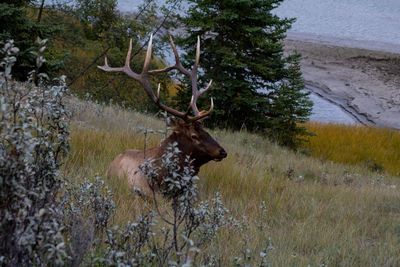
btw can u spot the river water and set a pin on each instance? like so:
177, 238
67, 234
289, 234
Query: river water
363, 20
369, 20
325, 111
373, 20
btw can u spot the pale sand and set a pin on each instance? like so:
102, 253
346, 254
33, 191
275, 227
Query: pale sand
365, 83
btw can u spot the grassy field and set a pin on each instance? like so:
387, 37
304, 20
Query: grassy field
317, 212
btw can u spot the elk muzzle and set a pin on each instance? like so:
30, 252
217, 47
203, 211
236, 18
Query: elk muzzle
221, 155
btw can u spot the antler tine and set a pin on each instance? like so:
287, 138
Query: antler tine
148, 55
107, 68
171, 41
106, 62
202, 91
203, 114
158, 92
128, 55
193, 103
178, 64
198, 51
125, 69
189, 108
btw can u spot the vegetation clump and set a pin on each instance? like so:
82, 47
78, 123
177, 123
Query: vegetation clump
33, 139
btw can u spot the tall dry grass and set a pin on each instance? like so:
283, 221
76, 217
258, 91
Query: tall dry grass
316, 212
375, 148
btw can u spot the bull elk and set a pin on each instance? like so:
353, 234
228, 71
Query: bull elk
188, 132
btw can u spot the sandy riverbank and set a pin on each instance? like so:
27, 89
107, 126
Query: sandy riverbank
364, 82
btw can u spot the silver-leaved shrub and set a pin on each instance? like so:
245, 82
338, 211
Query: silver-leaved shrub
33, 140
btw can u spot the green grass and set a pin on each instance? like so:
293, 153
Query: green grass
318, 212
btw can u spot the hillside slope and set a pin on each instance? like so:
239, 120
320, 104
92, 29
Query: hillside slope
315, 212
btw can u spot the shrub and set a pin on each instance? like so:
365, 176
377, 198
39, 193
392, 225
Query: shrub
191, 225
33, 139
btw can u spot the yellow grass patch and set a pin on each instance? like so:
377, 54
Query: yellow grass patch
374, 148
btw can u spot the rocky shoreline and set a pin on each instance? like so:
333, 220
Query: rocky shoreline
363, 82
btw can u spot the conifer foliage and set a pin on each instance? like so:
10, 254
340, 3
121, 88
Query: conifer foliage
255, 86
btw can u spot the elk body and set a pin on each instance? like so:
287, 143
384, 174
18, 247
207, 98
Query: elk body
188, 132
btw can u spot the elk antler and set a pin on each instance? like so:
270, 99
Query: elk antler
143, 79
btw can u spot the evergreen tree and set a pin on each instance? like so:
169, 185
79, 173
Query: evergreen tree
254, 84
290, 107
18, 23
15, 25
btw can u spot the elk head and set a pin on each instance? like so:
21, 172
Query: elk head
192, 139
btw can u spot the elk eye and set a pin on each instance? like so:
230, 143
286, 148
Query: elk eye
195, 137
